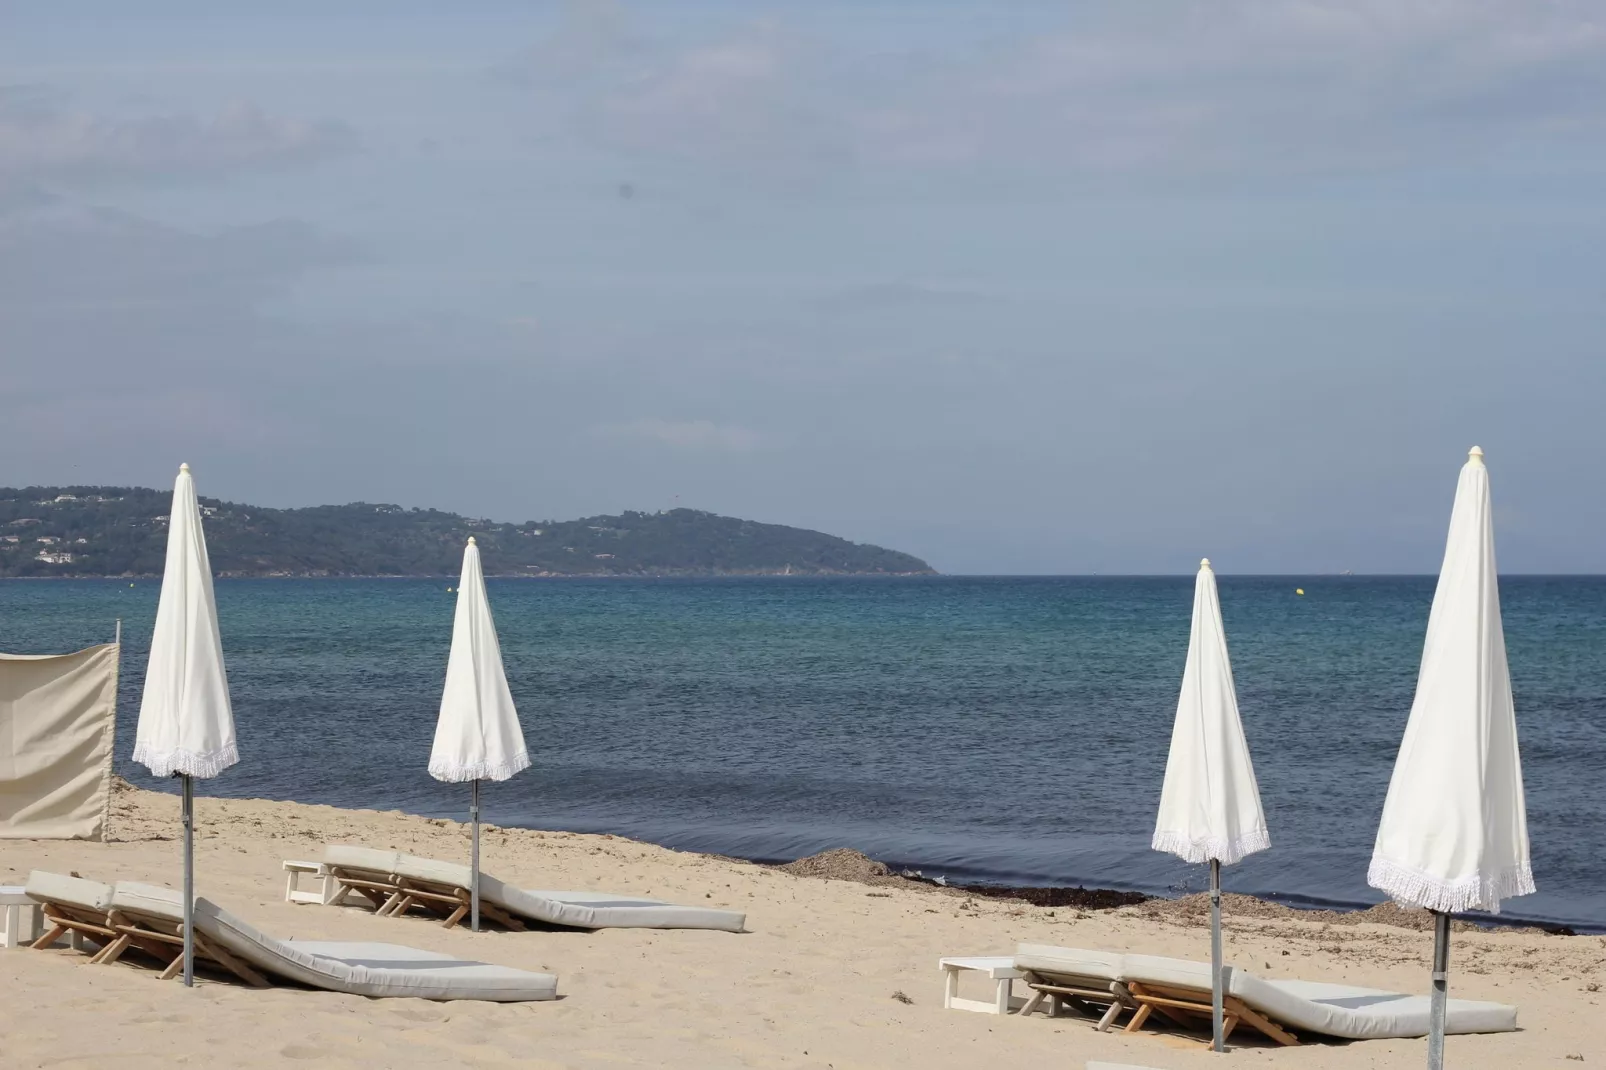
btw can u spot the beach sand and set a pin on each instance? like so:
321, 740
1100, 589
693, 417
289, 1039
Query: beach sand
816, 983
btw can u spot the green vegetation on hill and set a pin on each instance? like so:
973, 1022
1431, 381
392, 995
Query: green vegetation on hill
122, 531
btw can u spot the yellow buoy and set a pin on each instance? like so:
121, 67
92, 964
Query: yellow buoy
448, 590
1299, 590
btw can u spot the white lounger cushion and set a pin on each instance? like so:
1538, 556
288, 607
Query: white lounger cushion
580, 910
367, 859
1366, 1013
394, 970
1069, 962
361, 969
1335, 1010
599, 910
68, 891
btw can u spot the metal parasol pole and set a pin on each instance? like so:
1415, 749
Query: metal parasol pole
474, 879
1441, 989
189, 880
1218, 1042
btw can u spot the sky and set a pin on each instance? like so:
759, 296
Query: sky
1019, 288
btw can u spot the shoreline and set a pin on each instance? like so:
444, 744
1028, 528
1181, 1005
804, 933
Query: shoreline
844, 863
848, 863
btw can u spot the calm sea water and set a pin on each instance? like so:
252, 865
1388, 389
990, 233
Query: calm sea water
1002, 729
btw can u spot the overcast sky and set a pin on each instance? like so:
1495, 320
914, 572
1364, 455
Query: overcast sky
1035, 287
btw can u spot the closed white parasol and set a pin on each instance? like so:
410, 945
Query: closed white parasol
186, 725
1454, 832
1210, 803
478, 736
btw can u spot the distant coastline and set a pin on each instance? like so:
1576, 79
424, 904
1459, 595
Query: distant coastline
95, 532
452, 576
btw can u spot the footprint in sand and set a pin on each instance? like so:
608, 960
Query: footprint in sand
421, 1014
302, 1051
167, 1019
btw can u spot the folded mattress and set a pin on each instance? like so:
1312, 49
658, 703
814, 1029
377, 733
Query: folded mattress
579, 910
363, 969
1335, 1010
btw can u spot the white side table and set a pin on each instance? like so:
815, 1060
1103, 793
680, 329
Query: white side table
23, 919
999, 968
292, 879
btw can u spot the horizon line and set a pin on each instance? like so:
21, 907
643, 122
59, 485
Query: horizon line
1305, 576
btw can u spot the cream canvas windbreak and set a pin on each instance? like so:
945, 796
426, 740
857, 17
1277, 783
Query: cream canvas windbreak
58, 720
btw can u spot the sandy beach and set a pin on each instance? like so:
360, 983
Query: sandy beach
833, 974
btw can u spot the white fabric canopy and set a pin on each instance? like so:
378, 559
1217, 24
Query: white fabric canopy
478, 736
1210, 804
1454, 833
186, 724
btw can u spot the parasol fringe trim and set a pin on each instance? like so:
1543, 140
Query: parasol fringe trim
1206, 848
1479, 891
187, 762
455, 773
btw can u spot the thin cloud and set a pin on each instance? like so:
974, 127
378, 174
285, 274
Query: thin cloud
754, 96
684, 434
1228, 86
899, 297
1288, 85
42, 141
63, 257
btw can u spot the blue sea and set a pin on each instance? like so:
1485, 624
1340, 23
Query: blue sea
999, 729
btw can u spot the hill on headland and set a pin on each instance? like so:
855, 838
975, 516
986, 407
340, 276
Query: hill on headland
122, 531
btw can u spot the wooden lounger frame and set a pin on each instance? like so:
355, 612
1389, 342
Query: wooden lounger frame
1181, 1005
1185, 1006
1081, 993
377, 887
164, 938
447, 901
79, 921
394, 896
116, 931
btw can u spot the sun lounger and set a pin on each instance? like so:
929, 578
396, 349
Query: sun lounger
397, 883
85, 911
1179, 989
1319, 1007
151, 919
